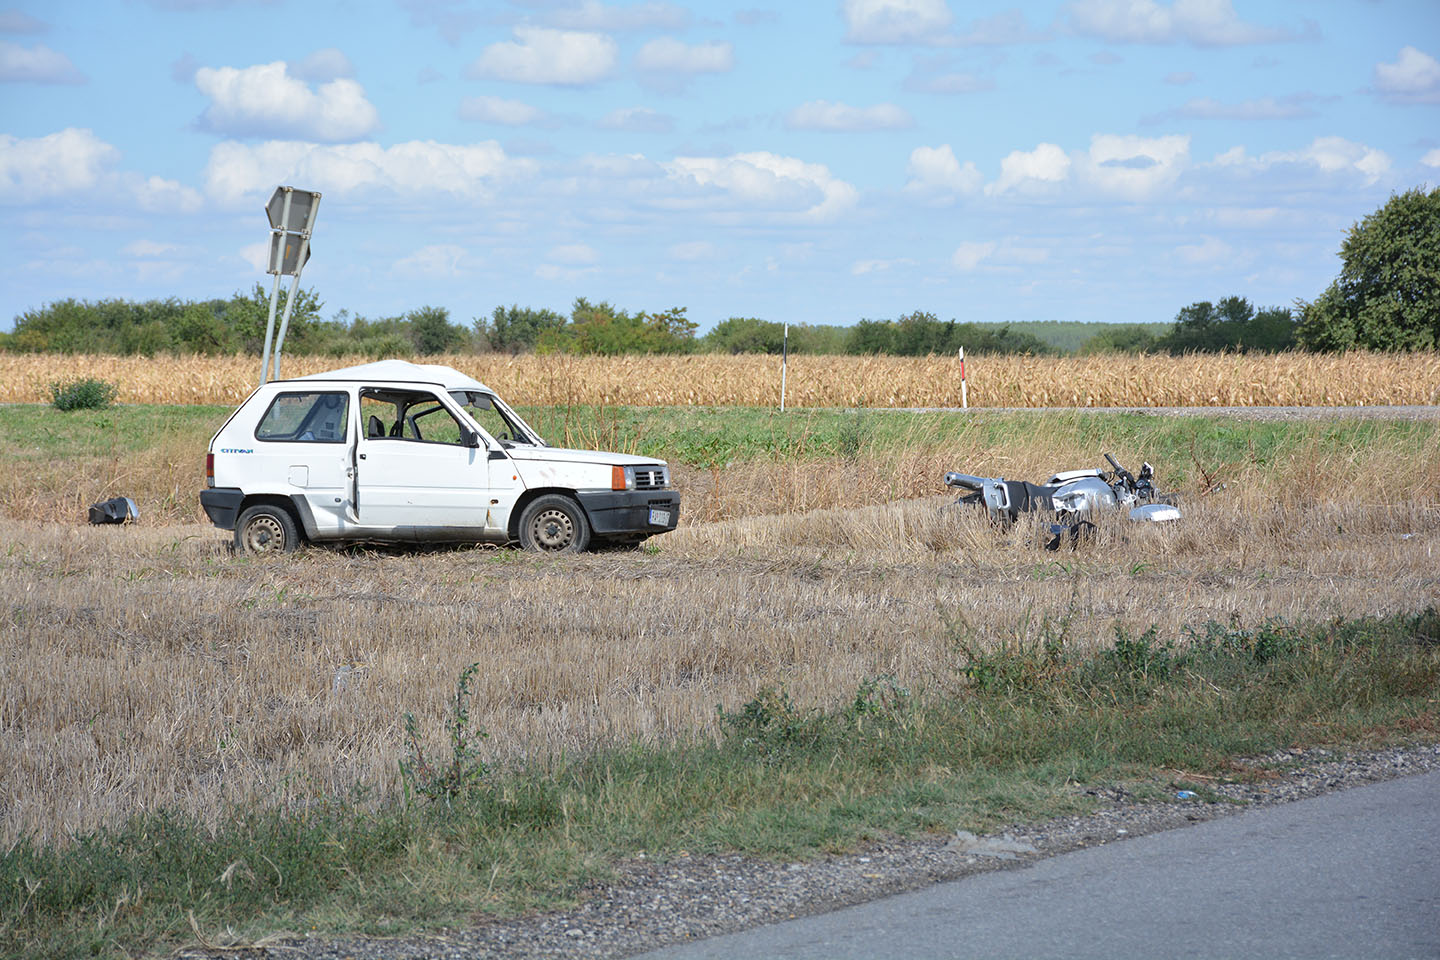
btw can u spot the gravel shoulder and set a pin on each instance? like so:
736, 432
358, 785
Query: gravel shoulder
651, 904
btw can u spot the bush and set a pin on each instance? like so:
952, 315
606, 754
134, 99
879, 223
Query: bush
82, 394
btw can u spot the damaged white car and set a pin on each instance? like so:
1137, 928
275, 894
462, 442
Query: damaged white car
398, 451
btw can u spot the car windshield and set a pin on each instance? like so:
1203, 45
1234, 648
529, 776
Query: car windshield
496, 420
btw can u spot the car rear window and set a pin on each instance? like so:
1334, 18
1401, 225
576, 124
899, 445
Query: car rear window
310, 417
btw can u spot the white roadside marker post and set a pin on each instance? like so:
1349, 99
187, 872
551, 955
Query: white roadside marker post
964, 398
784, 362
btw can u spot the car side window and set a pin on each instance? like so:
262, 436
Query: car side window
309, 417
407, 415
431, 422
378, 415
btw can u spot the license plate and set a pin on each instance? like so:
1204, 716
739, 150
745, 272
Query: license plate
660, 518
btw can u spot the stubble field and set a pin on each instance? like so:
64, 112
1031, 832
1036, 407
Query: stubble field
148, 668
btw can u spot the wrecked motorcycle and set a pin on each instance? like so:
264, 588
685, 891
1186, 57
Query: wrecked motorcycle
1075, 496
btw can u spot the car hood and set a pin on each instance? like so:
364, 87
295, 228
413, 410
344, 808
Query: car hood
566, 455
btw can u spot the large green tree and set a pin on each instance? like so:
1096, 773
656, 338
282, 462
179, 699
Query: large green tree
514, 328
1230, 324
1387, 296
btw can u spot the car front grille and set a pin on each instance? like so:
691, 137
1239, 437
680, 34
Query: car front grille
651, 478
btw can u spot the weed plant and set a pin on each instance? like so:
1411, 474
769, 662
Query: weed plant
84, 393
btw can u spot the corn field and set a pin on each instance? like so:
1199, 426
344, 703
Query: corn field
1289, 379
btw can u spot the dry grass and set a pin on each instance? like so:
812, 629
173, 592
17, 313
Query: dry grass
146, 667
1004, 381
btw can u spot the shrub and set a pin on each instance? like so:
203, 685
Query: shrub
86, 393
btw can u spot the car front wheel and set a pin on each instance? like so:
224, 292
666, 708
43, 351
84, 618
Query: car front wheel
554, 524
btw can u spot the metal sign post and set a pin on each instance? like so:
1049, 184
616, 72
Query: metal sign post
292, 219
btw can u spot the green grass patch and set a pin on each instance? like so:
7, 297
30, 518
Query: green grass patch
1002, 737
715, 436
35, 432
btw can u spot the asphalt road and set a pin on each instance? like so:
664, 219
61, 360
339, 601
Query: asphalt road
1349, 874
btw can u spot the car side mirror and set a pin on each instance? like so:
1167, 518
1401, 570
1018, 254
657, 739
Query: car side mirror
470, 438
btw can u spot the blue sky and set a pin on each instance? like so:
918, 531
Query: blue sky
807, 161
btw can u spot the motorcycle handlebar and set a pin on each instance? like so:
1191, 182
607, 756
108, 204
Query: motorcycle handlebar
965, 480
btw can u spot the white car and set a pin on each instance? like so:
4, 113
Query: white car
399, 451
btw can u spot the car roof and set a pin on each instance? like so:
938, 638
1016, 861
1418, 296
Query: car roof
403, 371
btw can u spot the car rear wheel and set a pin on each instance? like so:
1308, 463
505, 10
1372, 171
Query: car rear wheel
554, 524
266, 529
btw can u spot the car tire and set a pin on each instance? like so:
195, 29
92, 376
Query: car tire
266, 529
554, 524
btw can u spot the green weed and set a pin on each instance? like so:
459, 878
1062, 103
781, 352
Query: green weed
463, 771
86, 393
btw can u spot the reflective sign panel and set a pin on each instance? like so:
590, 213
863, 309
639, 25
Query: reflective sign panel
302, 202
285, 254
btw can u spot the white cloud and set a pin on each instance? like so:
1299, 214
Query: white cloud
256, 254
1134, 166
240, 173
436, 260
75, 162
1209, 250
37, 64
1414, 77
969, 255
649, 15
576, 253
861, 267
148, 248
895, 21
668, 62
159, 195
70, 161
933, 79
325, 64
509, 113
1233, 157
1335, 155
618, 166
1245, 217
1262, 108
264, 100
841, 117
545, 56
1005, 255
1002, 29
638, 120
552, 272
1431, 158
693, 250
1046, 165
936, 170
1205, 23
1327, 155
784, 185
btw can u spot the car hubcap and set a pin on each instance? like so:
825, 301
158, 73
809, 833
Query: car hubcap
264, 534
554, 530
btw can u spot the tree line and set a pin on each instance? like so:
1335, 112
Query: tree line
1387, 297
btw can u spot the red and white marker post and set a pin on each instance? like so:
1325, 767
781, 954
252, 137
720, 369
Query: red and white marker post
964, 398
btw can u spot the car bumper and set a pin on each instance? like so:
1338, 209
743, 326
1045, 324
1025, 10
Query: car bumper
631, 512
222, 505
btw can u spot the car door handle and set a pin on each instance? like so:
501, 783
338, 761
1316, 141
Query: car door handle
362, 456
